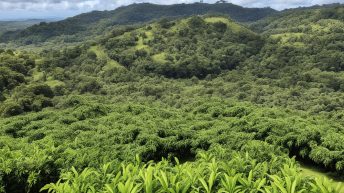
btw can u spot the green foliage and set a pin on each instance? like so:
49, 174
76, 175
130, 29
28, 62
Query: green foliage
200, 176
11, 109
230, 103
89, 131
14, 67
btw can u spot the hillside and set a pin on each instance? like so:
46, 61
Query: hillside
184, 48
241, 108
79, 27
305, 42
6, 26
290, 18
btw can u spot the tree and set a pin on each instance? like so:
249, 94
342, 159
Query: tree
10, 108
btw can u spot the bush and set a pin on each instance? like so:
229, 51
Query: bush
42, 89
11, 109
92, 55
90, 85
220, 27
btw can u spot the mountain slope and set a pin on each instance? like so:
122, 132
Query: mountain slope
17, 25
183, 48
96, 22
303, 45
290, 19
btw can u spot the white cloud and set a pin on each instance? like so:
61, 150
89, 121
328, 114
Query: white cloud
48, 4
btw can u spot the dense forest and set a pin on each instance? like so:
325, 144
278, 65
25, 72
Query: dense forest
175, 101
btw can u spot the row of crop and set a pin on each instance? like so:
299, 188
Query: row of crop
239, 174
88, 133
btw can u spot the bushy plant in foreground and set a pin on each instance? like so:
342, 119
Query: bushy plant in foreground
239, 174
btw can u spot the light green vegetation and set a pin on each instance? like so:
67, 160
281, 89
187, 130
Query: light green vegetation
160, 58
102, 55
37, 75
285, 37
205, 175
54, 83
140, 44
143, 40
313, 172
236, 28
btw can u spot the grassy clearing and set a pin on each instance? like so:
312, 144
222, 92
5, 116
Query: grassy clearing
99, 52
234, 26
54, 83
159, 58
37, 75
140, 43
149, 35
285, 39
103, 56
180, 24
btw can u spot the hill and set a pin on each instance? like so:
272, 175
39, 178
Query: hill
183, 48
290, 18
6, 26
78, 27
307, 44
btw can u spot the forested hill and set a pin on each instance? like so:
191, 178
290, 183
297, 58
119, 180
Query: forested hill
296, 19
76, 28
17, 25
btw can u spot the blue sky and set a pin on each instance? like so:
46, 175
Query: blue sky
21, 9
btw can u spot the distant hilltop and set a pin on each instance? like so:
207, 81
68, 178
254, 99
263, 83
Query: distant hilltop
97, 22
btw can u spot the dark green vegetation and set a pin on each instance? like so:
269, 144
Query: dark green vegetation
194, 88
95, 23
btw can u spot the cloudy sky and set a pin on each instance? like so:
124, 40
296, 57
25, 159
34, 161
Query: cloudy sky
21, 9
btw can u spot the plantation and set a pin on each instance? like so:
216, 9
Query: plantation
205, 175
189, 103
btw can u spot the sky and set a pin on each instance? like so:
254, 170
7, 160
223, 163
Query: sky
49, 9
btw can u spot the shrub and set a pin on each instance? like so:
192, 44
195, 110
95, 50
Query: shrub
11, 108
